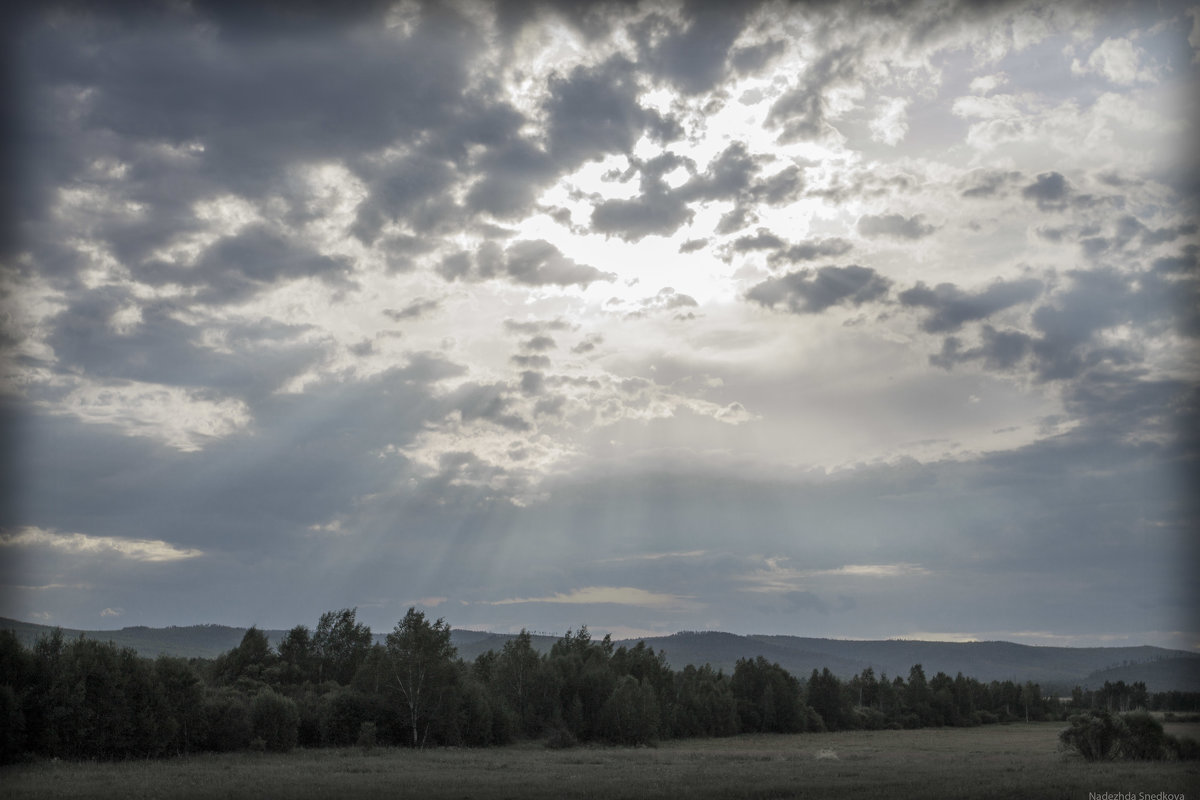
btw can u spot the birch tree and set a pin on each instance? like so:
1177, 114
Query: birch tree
421, 661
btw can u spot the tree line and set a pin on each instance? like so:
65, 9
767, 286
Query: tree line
334, 686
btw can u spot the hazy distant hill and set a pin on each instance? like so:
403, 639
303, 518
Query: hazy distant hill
1159, 676
1057, 668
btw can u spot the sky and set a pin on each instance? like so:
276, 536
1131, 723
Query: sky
856, 320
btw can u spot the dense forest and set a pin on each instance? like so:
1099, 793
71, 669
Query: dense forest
334, 686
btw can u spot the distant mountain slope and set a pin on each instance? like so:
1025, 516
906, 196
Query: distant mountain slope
1055, 668
1160, 675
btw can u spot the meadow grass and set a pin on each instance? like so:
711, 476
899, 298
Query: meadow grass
999, 761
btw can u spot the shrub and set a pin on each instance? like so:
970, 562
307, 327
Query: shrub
275, 719
226, 722
1182, 749
341, 716
985, 718
366, 736
561, 738
1095, 735
1144, 739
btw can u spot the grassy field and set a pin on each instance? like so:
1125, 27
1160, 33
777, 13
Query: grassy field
999, 761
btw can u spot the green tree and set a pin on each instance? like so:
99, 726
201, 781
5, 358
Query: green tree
582, 672
704, 703
421, 661
182, 696
275, 720
297, 655
519, 677
630, 715
340, 645
249, 660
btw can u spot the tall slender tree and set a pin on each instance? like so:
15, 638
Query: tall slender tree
421, 661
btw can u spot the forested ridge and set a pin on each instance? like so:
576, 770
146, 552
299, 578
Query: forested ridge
337, 685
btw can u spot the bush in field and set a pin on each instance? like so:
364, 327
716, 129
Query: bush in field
560, 738
1144, 739
1099, 736
275, 719
342, 714
1184, 749
366, 736
1096, 735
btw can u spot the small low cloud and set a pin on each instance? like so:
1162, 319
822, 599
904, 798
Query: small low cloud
950, 307
149, 550
617, 595
1118, 61
812, 291
112, 612
776, 576
895, 225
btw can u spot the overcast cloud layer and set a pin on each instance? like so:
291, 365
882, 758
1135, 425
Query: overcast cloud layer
835, 319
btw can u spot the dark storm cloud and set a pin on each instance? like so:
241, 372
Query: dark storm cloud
414, 310
661, 210
159, 348
657, 210
1050, 191
1065, 341
988, 182
531, 262
894, 225
593, 112
950, 306
748, 60
800, 113
810, 250
812, 291
195, 116
762, 240
999, 350
782, 187
693, 57
489, 402
513, 174
537, 263
539, 343
236, 267
413, 188
1095, 300
729, 174
305, 460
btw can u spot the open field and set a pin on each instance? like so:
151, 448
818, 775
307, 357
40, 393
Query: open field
1002, 761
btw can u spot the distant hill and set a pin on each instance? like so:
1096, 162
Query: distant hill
1055, 668
1160, 675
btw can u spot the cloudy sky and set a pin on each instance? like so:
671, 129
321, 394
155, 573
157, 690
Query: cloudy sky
855, 320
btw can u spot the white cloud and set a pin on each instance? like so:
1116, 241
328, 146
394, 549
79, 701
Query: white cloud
987, 83
146, 550
181, 418
112, 612
891, 126
777, 577
617, 595
1118, 61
